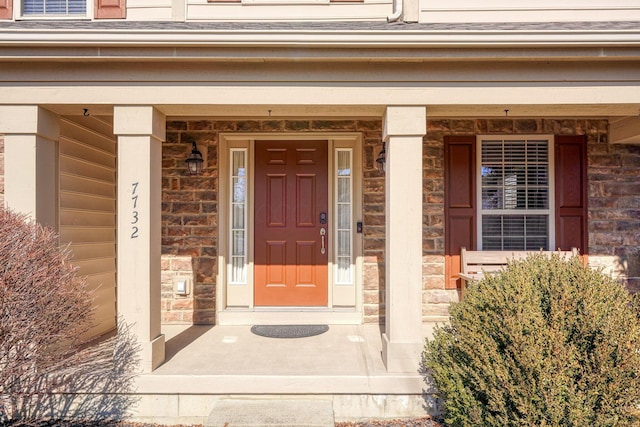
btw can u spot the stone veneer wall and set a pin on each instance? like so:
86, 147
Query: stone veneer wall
190, 205
190, 211
177, 309
614, 199
614, 208
189, 222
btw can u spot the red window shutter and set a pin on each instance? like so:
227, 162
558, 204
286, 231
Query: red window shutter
110, 9
571, 193
460, 202
6, 9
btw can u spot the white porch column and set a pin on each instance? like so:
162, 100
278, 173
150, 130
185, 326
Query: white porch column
31, 136
404, 128
140, 131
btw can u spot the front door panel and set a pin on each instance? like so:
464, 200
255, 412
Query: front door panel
291, 250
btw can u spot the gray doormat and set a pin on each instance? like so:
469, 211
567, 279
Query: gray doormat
289, 331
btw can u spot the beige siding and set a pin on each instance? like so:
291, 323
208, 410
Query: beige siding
523, 11
265, 10
429, 10
149, 10
88, 208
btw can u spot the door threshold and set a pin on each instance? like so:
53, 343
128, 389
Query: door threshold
271, 309
288, 316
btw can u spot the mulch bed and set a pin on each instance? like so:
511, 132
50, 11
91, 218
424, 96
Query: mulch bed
416, 422
95, 424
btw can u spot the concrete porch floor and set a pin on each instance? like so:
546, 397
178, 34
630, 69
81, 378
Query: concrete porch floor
231, 359
205, 363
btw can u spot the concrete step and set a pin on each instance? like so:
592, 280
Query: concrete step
271, 413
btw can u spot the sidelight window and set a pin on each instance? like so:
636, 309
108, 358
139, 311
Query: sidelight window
344, 208
238, 203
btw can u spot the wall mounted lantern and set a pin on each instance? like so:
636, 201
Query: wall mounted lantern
381, 161
194, 161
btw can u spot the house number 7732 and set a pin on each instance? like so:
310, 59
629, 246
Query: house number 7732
134, 212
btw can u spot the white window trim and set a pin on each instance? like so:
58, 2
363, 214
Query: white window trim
247, 176
550, 212
18, 15
234, 294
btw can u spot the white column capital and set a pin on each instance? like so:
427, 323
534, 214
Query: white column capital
29, 120
31, 136
139, 120
404, 121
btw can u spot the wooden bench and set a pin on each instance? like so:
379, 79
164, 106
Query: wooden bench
475, 264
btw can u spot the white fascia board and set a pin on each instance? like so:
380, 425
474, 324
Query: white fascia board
334, 39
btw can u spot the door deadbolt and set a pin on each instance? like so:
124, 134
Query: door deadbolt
323, 217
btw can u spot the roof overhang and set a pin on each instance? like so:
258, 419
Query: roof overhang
354, 41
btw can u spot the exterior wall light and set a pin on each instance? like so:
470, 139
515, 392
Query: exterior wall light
381, 161
194, 161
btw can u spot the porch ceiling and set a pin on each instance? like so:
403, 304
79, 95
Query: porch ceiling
212, 111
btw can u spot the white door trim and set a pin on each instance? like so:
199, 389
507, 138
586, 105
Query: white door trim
234, 302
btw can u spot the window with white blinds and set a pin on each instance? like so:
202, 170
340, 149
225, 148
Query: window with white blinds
54, 7
515, 192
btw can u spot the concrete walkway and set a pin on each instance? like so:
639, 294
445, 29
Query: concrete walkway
271, 413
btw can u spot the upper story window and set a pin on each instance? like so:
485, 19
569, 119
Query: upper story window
57, 8
515, 192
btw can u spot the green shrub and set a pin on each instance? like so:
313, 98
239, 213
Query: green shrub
547, 342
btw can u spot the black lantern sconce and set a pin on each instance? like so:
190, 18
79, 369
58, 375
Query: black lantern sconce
194, 161
381, 161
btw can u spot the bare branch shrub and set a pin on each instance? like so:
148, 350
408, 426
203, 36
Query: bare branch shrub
47, 370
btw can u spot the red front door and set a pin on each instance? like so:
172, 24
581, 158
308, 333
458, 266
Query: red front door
291, 223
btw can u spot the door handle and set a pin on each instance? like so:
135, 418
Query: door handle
323, 231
